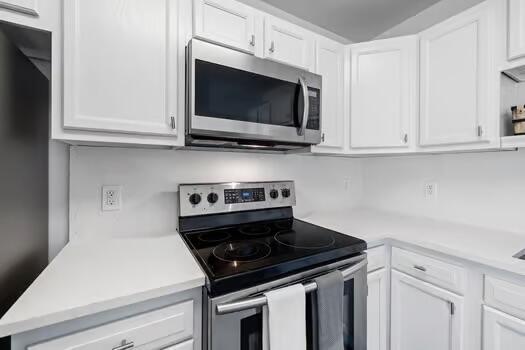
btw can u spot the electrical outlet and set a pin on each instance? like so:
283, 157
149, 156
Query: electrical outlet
431, 190
111, 198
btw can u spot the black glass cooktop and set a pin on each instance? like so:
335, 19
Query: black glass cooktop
240, 256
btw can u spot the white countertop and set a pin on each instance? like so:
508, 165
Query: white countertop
488, 247
93, 276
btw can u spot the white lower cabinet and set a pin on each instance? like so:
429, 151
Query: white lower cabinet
155, 330
502, 331
424, 316
377, 304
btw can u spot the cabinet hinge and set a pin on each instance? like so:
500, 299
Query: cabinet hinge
172, 122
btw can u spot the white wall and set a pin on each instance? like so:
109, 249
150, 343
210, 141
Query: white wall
484, 189
150, 178
427, 18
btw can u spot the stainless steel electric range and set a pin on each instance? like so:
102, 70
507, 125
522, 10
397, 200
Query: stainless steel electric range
247, 241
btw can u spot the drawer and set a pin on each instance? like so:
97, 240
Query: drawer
437, 272
376, 258
145, 331
505, 296
187, 345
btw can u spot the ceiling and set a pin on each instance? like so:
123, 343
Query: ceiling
356, 20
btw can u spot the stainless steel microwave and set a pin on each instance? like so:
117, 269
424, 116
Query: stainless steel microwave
242, 101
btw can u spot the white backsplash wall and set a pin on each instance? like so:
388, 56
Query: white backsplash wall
149, 179
483, 189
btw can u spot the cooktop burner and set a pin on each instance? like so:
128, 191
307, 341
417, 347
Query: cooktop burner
238, 252
290, 239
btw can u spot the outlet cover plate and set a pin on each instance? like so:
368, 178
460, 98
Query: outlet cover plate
111, 198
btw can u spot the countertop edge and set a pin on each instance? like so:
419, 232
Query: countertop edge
17, 327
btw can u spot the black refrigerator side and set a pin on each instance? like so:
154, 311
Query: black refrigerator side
24, 153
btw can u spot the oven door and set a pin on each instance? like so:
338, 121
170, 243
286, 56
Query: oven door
234, 324
234, 95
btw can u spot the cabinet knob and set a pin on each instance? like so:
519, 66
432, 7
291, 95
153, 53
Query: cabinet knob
272, 47
252, 41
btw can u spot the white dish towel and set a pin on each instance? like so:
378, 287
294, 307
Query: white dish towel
284, 319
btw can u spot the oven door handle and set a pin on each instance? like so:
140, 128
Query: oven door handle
251, 303
306, 113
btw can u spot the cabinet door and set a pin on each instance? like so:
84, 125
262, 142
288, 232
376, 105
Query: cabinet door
383, 93
120, 65
23, 6
287, 43
424, 316
188, 345
225, 22
501, 331
376, 310
455, 67
516, 29
330, 65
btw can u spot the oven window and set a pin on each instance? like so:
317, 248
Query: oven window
251, 326
228, 93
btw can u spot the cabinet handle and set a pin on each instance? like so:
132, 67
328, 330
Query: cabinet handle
172, 123
405, 138
322, 137
480, 130
125, 345
252, 41
452, 308
272, 47
420, 268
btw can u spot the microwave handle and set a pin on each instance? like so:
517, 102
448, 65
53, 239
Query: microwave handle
306, 112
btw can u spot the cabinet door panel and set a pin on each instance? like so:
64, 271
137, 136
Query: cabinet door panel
455, 66
330, 65
376, 311
23, 6
120, 64
383, 93
501, 331
516, 29
424, 316
225, 22
288, 43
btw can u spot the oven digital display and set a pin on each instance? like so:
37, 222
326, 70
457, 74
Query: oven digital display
244, 195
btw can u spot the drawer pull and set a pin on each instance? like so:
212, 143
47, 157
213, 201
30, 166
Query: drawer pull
125, 345
420, 268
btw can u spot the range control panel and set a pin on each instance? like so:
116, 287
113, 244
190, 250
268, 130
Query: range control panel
203, 199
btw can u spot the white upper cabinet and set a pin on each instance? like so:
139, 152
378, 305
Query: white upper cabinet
287, 43
121, 66
377, 303
501, 331
516, 28
456, 68
424, 316
330, 65
383, 93
226, 22
29, 7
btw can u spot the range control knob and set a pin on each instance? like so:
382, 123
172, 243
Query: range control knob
285, 192
213, 198
274, 194
195, 198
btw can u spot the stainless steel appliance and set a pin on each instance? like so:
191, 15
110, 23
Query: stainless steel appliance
24, 144
247, 241
242, 101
